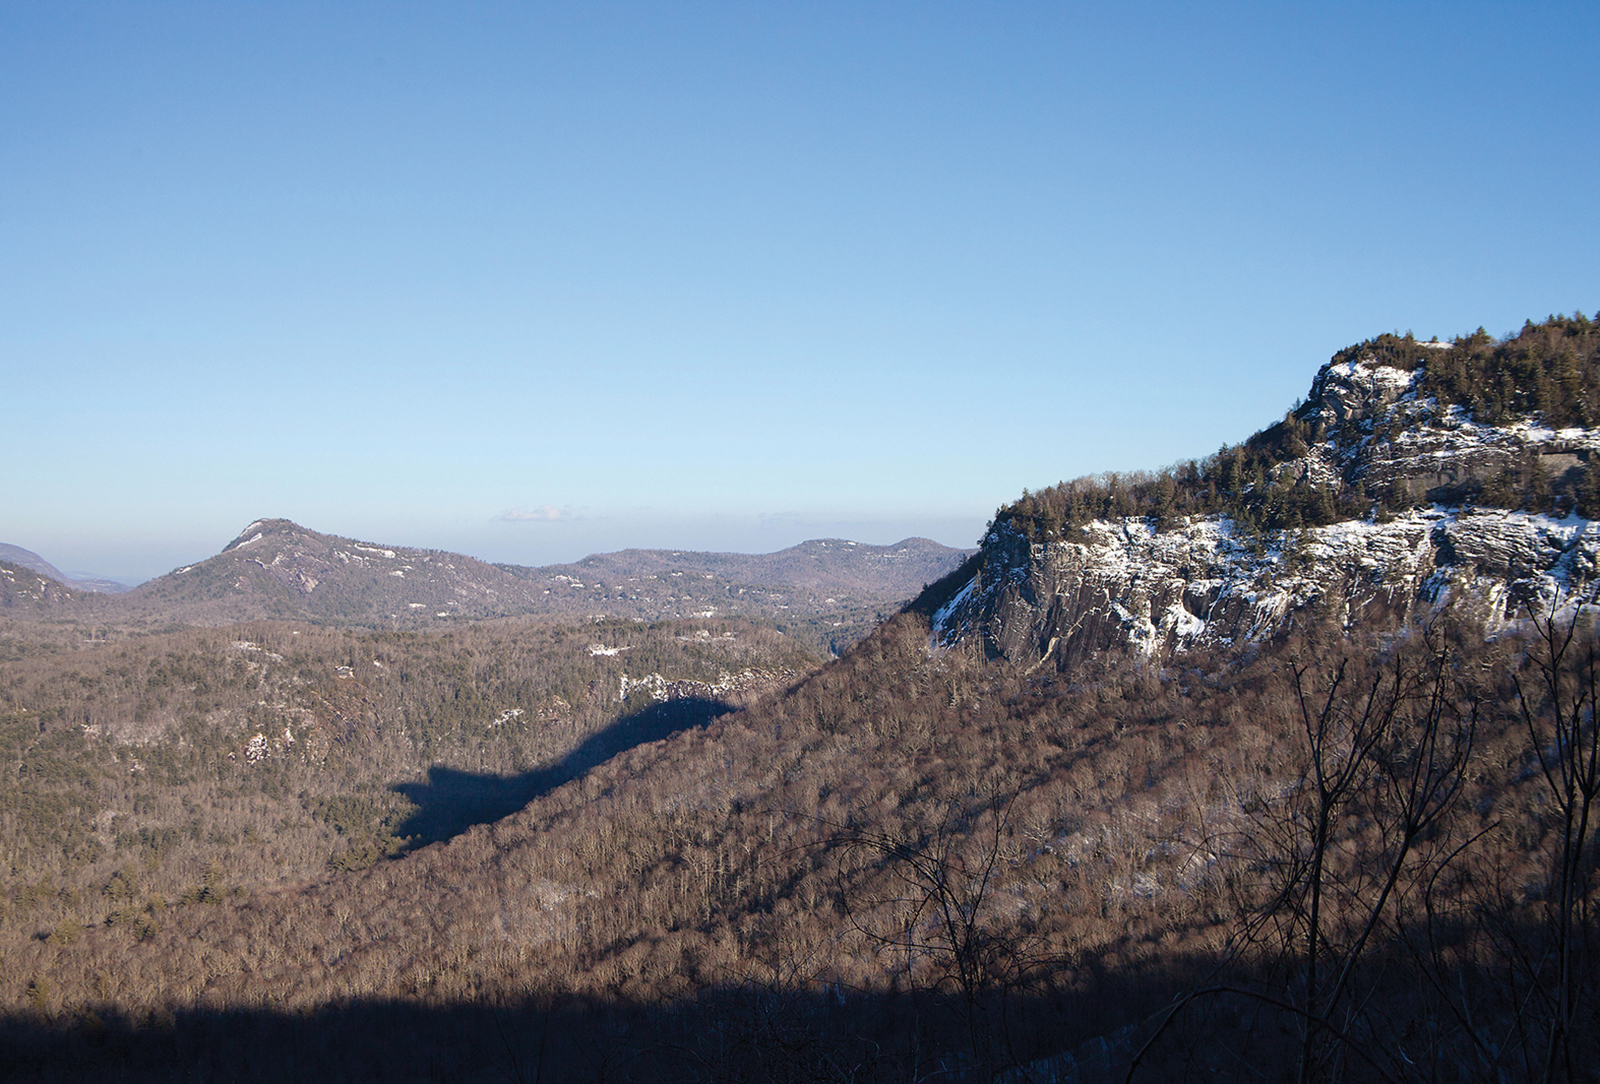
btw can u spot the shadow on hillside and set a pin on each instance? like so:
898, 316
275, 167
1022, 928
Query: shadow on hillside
1083, 1024
452, 801
731, 1033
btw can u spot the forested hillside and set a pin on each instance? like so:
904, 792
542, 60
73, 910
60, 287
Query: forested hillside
915, 860
193, 764
1308, 800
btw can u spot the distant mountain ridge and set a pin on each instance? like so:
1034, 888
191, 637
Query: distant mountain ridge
822, 563
25, 592
28, 559
828, 591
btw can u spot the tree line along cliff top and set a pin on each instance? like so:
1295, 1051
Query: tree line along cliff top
1547, 374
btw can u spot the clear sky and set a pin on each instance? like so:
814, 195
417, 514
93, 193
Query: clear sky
530, 281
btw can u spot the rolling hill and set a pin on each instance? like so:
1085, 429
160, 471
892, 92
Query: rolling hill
829, 592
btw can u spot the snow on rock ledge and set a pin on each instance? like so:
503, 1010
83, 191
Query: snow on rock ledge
1384, 433
1123, 585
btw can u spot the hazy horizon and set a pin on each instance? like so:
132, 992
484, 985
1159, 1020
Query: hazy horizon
767, 538
530, 282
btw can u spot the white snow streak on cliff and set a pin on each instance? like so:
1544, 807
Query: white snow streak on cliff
1488, 558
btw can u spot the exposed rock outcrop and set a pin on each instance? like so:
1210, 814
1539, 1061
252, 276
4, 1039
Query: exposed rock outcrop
1380, 432
1203, 581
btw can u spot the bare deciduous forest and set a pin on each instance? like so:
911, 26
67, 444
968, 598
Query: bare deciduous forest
1340, 859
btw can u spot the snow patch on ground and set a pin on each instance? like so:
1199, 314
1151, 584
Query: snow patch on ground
506, 716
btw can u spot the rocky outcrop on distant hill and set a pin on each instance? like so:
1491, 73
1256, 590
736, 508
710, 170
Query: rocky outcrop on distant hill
27, 593
32, 561
1133, 583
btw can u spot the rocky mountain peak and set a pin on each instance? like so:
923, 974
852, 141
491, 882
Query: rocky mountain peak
1359, 390
278, 530
1400, 486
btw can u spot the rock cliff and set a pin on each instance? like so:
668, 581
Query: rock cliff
1379, 431
1129, 584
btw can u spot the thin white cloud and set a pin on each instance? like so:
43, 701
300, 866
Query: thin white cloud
544, 513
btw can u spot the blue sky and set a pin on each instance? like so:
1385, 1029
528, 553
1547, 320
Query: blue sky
529, 282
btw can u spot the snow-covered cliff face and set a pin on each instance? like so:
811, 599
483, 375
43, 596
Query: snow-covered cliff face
1125, 585
1382, 433
1120, 585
